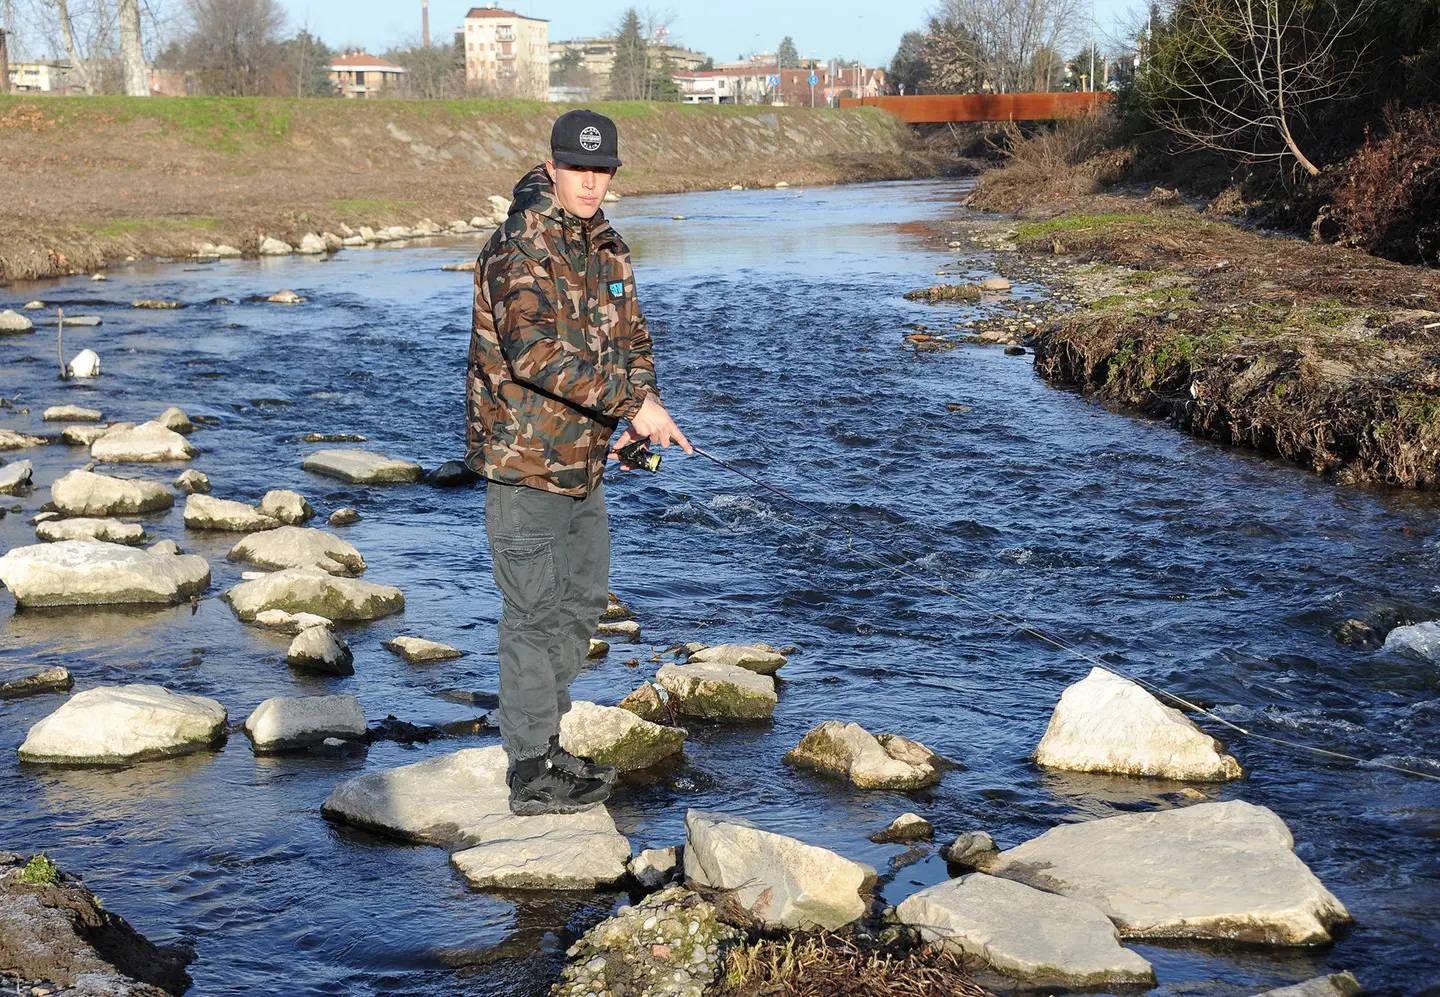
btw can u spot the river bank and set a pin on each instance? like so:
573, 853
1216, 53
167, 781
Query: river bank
93, 180
1323, 356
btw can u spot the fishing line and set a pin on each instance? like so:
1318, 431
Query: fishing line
1027, 629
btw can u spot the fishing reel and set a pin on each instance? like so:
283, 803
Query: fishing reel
637, 454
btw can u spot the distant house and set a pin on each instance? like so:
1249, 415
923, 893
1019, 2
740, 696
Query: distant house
50, 76
750, 83
361, 75
507, 54
597, 58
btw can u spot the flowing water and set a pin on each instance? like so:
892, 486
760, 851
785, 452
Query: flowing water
778, 323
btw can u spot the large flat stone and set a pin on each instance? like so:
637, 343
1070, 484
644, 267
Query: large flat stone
72, 413
205, 512
758, 658
716, 691
148, 441
299, 547
115, 725
87, 528
91, 573
617, 737
1223, 871
86, 493
1028, 935
362, 467
1106, 723
308, 590
285, 723
460, 801
782, 881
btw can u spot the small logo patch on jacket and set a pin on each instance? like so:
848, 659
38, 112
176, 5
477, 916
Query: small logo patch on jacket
617, 289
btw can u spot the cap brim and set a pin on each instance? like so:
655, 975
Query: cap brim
585, 159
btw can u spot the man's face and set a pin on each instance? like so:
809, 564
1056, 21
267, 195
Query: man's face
580, 189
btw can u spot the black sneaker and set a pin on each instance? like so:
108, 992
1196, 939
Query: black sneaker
585, 768
538, 787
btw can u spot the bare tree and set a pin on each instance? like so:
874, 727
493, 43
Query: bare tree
1240, 76
233, 46
4, 60
132, 50
995, 41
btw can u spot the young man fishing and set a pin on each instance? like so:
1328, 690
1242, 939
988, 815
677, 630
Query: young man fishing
559, 355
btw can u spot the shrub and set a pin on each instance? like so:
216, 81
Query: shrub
1388, 202
1074, 158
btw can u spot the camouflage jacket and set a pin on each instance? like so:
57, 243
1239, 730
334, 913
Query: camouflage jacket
559, 351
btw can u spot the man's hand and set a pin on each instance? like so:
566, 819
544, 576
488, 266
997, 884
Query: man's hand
653, 423
626, 438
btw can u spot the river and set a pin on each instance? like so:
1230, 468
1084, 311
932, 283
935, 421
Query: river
778, 320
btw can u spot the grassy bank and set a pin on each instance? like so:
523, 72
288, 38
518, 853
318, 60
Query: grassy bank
92, 180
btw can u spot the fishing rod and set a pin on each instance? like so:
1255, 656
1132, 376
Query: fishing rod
637, 454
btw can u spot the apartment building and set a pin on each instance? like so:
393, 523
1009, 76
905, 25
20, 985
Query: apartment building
507, 54
359, 75
597, 58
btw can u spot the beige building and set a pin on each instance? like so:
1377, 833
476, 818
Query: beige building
507, 54
361, 75
597, 58
42, 77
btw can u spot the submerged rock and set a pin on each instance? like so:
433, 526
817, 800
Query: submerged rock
451, 474
148, 441
1420, 639
906, 827
671, 944
1025, 934
17, 478
205, 512
318, 649
298, 547
286, 297
192, 481
362, 467
849, 750
107, 530
286, 506
1106, 723
718, 692
286, 723
417, 650
617, 737
344, 517
759, 658
92, 573
32, 680
1223, 871
308, 590
460, 800
782, 882
114, 725
86, 493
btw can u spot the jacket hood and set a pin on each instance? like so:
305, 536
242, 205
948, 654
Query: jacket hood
535, 192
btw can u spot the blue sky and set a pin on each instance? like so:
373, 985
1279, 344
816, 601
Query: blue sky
723, 29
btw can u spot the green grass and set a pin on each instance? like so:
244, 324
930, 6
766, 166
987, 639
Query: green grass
144, 226
1067, 223
40, 871
370, 206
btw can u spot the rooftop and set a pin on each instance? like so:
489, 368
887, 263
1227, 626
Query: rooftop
497, 12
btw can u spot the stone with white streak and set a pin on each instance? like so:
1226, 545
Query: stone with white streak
1222, 871
290, 623
92, 573
617, 737
309, 590
362, 467
1025, 934
88, 493
116, 725
460, 801
87, 528
759, 658
1106, 723
299, 547
885, 762
204, 512
782, 881
148, 441
286, 723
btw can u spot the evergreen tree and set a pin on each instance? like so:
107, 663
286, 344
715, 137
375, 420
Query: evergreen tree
908, 65
787, 55
663, 86
630, 74
307, 59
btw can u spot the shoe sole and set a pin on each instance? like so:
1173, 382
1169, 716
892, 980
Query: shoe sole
537, 808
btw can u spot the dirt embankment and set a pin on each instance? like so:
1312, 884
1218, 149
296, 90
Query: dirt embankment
90, 180
1324, 356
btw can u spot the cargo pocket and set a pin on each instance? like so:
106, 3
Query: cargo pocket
525, 573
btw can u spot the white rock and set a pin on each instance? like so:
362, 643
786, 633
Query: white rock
460, 800
718, 692
285, 297
1419, 639
783, 882
1105, 723
308, 590
288, 507
72, 413
849, 750
1022, 933
906, 827
628, 629
417, 650
369, 234
83, 436
86, 493
353, 241
617, 737
12, 321
654, 867
169, 547
333, 242
362, 467
175, 420
33, 680
84, 528
88, 573
318, 649
11, 440
756, 658
17, 478
114, 725
598, 649
148, 441
203, 512
226, 252
33, 306
344, 517
781, 185
1334, 985
1224, 871
85, 364
499, 206
88, 321
285, 723
277, 619
299, 547
994, 284
191, 480
274, 247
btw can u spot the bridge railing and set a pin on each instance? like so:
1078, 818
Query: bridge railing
984, 106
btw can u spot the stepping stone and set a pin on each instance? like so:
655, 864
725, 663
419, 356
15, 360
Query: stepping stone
645, 703
460, 801
286, 723
718, 692
148, 441
107, 530
362, 467
308, 590
116, 725
72, 413
1022, 933
417, 650
299, 547
92, 573
86, 493
885, 762
32, 680
759, 658
205, 512
617, 737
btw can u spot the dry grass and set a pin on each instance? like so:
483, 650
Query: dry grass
1076, 157
828, 965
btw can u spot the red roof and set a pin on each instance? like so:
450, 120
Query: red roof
497, 12
361, 59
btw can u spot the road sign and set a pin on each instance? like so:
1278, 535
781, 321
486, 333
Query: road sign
814, 79
774, 81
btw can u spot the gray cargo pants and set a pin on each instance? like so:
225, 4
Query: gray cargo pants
551, 556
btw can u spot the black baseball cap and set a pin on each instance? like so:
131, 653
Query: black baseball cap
584, 138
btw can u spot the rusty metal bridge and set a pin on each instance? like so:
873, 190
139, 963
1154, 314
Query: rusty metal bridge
933, 108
